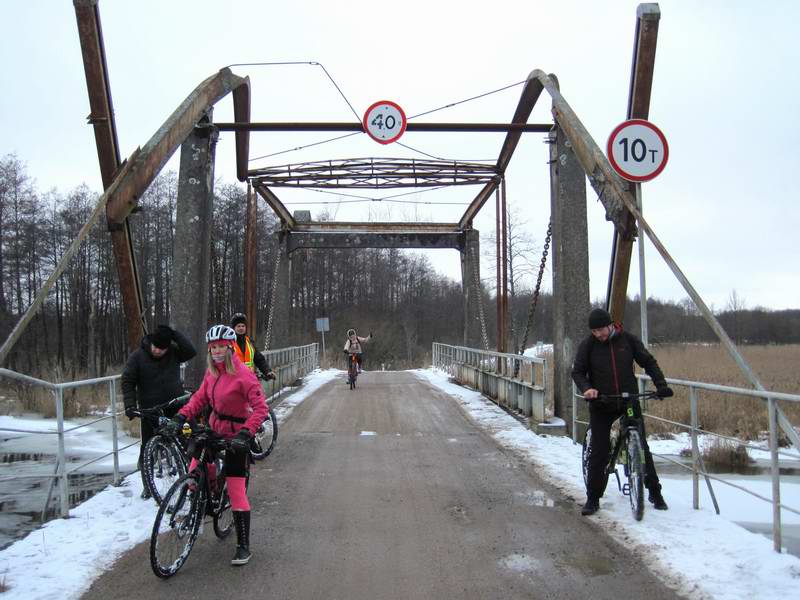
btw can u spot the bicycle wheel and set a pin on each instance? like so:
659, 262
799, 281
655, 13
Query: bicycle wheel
635, 470
223, 515
587, 441
264, 440
163, 464
176, 526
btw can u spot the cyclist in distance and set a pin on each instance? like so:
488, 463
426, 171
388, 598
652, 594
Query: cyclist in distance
152, 376
603, 365
238, 408
245, 348
353, 345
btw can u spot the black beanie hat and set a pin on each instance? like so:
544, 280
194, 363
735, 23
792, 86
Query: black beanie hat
161, 337
238, 318
599, 318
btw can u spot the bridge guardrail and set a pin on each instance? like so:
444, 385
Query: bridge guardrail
492, 374
698, 467
288, 364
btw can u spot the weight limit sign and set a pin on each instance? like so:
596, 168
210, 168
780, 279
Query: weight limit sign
637, 150
385, 122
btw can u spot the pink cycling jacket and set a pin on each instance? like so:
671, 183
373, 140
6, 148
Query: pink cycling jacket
236, 400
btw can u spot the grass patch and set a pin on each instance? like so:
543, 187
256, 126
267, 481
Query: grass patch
726, 455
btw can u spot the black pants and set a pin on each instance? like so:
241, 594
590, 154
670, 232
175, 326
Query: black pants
600, 422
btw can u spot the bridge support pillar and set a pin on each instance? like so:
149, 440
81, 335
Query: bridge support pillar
470, 270
280, 302
191, 272
570, 255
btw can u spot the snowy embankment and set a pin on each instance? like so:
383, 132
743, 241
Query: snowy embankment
62, 558
696, 552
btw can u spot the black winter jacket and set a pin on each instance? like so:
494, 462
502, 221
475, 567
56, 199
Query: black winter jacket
608, 366
148, 381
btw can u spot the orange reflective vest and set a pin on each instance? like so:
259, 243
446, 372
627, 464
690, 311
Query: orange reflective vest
247, 356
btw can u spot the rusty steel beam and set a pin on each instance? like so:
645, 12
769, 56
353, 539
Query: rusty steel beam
276, 205
241, 112
371, 227
641, 85
157, 151
101, 117
504, 245
476, 205
330, 239
416, 127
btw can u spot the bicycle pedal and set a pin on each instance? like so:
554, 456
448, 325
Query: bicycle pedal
626, 489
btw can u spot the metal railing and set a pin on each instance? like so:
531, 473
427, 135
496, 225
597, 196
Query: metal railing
492, 374
288, 364
777, 422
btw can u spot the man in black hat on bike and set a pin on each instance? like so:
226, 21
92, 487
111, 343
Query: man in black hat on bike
603, 365
152, 376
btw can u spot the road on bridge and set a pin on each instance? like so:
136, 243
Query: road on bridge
391, 492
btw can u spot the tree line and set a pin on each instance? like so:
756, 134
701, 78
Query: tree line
395, 294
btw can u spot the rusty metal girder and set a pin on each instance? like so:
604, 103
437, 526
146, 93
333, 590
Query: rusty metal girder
374, 173
276, 205
241, 112
157, 151
412, 127
371, 227
350, 239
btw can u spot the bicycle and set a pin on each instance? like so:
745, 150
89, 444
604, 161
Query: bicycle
626, 449
189, 500
266, 435
164, 455
352, 371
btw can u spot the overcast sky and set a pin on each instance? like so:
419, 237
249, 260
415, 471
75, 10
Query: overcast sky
724, 94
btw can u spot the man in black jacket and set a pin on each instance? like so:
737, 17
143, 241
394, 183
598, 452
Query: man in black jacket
152, 376
603, 365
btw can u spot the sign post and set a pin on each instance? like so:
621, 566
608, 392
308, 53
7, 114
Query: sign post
638, 151
323, 325
385, 122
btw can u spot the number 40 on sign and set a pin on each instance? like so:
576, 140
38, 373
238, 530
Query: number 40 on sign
637, 150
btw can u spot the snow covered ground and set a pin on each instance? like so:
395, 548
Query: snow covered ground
698, 553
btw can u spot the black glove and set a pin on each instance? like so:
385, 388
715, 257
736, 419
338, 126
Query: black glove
174, 425
130, 412
241, 443
665, 391
267, 375
345, 352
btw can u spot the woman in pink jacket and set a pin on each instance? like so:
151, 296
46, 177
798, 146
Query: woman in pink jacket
238, 407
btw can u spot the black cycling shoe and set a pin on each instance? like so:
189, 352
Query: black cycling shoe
657, 500
592, 506
242, 556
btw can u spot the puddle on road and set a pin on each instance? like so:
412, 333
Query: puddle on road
368, 433
520, 563
593, 566
536, 498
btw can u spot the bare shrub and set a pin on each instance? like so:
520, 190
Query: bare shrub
726, 455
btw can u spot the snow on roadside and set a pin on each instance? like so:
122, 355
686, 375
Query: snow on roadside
697, 553
61, 559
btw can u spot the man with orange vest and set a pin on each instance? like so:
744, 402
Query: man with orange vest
245, 349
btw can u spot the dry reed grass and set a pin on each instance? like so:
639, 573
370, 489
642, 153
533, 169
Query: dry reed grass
775, 366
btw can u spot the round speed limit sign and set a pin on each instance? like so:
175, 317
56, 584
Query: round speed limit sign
385, 122
637, 150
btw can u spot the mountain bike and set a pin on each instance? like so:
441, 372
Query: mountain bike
626, 449
164, 454
352, 371
191, 498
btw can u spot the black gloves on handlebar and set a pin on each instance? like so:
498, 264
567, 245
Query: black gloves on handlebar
174, 425
241, 443
130, 412
664, 391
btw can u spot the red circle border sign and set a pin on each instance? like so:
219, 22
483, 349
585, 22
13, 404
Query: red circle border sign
403, 123
618, 168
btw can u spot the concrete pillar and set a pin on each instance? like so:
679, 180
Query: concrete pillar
278, 322
470, 264
570, 256
191, 266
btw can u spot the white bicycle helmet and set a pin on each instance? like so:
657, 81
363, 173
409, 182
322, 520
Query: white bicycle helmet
351, 332
220, 333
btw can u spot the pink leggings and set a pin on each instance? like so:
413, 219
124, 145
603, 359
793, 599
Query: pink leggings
236, 486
